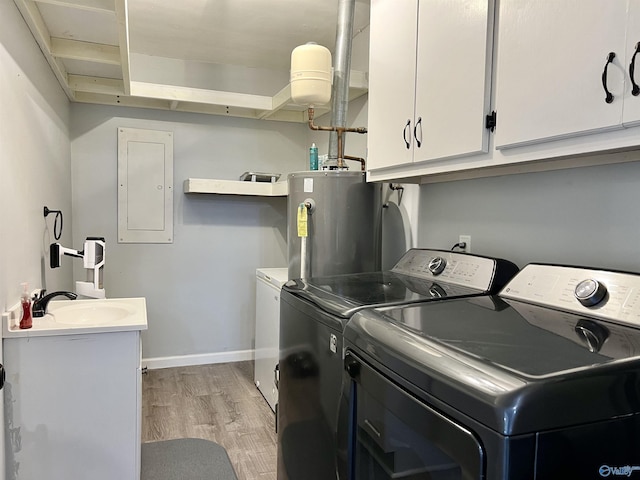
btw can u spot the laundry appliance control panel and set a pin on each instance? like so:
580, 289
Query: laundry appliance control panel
451, 267
613, 296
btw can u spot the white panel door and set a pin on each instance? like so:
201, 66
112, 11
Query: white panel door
551, 59
145, 186
392, 73
631, 112
453, 87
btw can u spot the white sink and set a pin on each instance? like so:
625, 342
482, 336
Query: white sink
70, 317
90, 313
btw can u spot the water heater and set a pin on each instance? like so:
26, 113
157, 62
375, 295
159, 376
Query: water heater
343, 227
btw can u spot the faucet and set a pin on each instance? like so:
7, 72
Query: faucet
39, 308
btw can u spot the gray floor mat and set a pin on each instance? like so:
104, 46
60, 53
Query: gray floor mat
185, 459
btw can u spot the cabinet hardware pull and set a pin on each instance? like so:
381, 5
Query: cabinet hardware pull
415, 134
609, 97
635, 91
404, 134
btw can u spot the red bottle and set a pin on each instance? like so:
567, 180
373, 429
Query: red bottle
26, 321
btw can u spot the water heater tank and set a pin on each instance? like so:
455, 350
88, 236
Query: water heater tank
311, 74
344, 229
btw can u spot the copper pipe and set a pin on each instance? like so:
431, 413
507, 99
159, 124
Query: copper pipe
340, 131
312, 126
357, 159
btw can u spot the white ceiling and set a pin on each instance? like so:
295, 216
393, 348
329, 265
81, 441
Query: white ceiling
256, 33
92, 46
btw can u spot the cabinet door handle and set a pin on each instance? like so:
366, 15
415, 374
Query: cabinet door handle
415, 132
635, 91
609, 97
404, 134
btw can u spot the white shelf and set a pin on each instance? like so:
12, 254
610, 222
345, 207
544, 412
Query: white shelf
236, 187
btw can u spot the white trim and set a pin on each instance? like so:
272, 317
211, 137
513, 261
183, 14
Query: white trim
92, 5
198, 359
200, 95
122, 17
85, 51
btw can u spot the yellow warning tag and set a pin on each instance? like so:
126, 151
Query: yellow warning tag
302, 220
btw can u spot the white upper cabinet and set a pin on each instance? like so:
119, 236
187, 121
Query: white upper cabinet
631, 107
554, 69
455, 41
392, 82
429, 85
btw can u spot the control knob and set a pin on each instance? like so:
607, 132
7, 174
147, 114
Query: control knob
590, 292
436, 265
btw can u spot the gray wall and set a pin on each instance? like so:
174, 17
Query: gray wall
34, 164
200, 290
34, 168
585, 216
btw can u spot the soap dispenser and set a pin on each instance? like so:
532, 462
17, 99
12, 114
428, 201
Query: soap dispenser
26, 321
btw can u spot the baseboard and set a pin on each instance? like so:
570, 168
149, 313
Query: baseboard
199, 359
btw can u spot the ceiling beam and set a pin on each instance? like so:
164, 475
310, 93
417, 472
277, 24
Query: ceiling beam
122, 17
93, 5
89, 52
278, 102
108, 86
35, 22
199, 95
139, 102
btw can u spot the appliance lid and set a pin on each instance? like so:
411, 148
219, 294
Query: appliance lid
343, 295
275, 276
420, 275
529, 341
517, 366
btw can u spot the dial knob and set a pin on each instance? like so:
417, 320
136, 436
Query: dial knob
436, 265
590, 292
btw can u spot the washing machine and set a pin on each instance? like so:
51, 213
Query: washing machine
313, 315
539, 382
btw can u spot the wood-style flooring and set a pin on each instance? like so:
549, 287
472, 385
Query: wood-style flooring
215, 402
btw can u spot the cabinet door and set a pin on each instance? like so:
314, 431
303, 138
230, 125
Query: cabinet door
392, 64
551, 59
631, 108
453, 87
74, 406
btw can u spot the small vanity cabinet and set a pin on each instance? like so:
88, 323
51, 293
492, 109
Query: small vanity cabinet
73, 406
72, 398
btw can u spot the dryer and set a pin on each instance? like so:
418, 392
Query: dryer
539, 382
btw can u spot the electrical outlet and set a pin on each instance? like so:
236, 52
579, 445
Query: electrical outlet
466, 239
